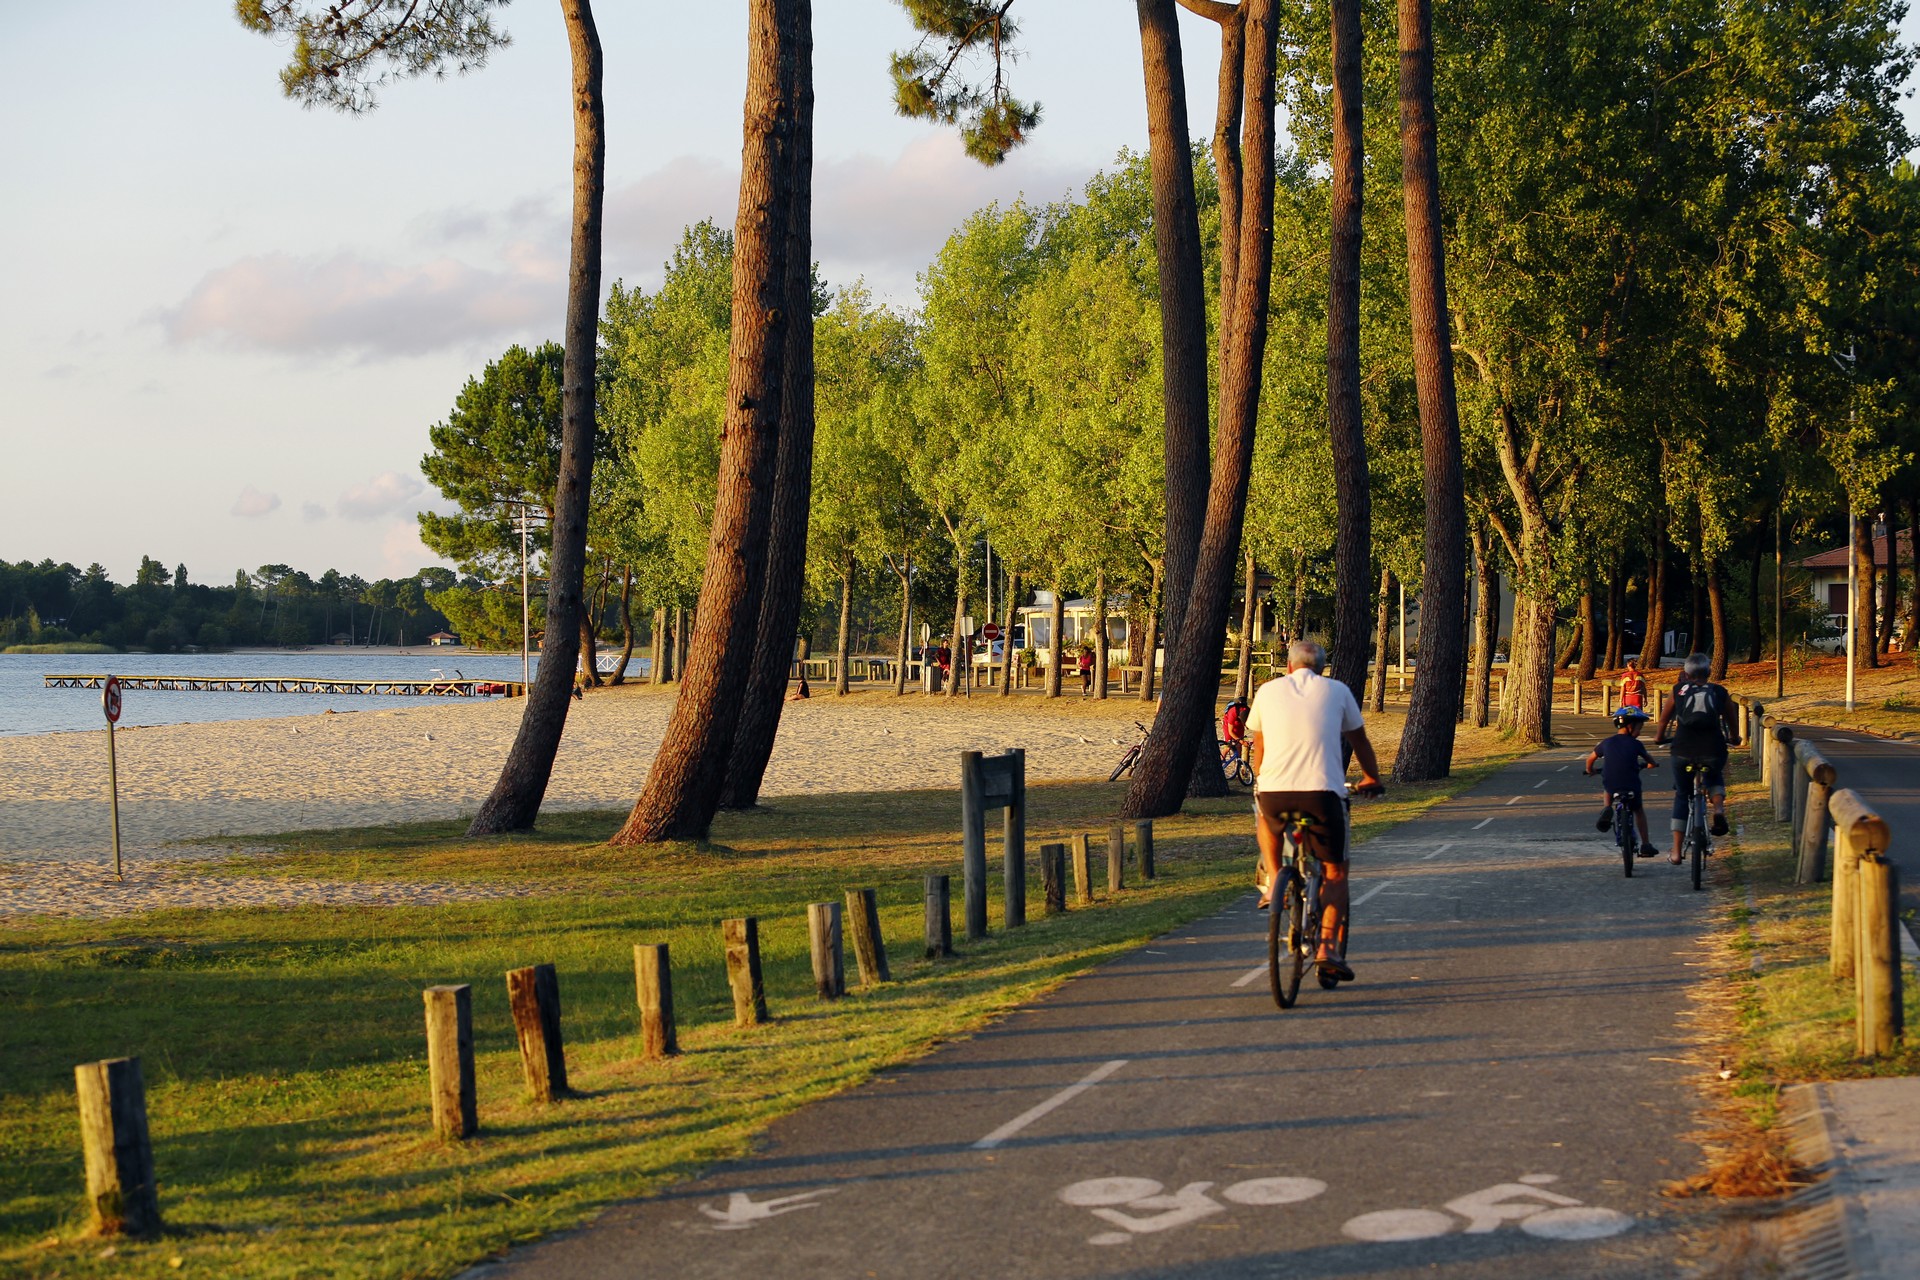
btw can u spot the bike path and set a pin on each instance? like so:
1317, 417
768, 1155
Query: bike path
1886, 773
1501, 1094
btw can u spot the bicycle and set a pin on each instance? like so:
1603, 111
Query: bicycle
1296, 913
1132, 755
1696, 841
1234, 761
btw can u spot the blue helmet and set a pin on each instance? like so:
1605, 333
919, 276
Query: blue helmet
1630, 715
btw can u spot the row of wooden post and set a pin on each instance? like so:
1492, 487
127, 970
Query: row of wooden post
1864, 931
121, 1191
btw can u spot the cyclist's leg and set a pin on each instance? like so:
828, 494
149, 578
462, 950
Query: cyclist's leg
1717, 795
1639, 808
1326, 840
1266, 834
1682, 799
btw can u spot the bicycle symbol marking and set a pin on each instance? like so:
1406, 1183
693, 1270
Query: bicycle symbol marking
1537, 1211
1153, 1210
1141, 1206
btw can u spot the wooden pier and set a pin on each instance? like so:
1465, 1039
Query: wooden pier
455, 688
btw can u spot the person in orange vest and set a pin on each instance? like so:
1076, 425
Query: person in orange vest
1633, 685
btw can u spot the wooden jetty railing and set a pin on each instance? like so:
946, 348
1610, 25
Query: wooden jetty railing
456, 688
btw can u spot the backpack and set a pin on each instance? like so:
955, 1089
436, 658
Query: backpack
1698, 710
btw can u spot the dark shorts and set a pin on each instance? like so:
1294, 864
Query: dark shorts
1325, 831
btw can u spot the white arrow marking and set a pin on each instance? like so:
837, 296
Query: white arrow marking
744, 1211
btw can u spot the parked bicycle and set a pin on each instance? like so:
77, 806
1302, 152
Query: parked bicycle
1132, 755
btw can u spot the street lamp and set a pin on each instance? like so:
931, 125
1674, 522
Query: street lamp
525, 515
1853, 581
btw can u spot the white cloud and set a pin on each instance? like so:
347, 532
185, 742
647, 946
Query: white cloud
383, 495
312, 511
402, 554
253, 504
350, 304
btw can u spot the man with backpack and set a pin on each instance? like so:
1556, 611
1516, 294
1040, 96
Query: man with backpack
1702, 728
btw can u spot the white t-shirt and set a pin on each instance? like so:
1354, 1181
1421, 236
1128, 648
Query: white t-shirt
1300, 717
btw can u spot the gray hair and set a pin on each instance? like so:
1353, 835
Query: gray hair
1697, 666
1306, 653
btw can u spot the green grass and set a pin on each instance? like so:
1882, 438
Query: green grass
284, 1055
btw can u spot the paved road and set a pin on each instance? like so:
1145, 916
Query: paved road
1886, 773
1500, 1095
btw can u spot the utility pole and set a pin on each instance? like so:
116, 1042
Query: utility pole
1779, 606
1853, 598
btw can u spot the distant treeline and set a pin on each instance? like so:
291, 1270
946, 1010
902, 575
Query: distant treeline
162, 611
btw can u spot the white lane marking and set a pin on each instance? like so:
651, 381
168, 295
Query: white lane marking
1369, 893
1058, 1100
1483, 822
1437, 852
1258, 970
1392, 1226
1540, 784
1563, 768
1515, 800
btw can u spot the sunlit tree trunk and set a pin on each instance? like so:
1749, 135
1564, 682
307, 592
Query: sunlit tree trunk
1651, 644
844, 645
1353, 522
1250, 607
515, 800
1616, 610
1101, 648
1056, 647
1486, 627
904, 571
1383, 636
1890, 597
1717, 612
1527, 710
626, 626
682, 790
1009, 660
1589, 628
1864, 652
1150, 644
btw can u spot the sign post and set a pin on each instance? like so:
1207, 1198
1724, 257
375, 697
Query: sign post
110, 703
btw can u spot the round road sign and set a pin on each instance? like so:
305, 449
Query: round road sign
991, 631
110, 699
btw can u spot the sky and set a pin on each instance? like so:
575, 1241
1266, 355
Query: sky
228, 322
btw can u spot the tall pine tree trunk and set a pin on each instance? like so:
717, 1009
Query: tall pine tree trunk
1717, 613
905, 574
1101, 650
1167, 765
793, 469
1864, 653
1353, 502
682, 790
1486, 627
1009, 660
516, 796
1382, 651
1652, 643
1150, 645
1056, 647
843, 646
626, 626
1183, 306
1426, 744
1243, 682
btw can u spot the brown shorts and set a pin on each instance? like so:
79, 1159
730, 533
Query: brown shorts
1325, 831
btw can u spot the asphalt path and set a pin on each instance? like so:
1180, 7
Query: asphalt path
1502, 1093
1886, 773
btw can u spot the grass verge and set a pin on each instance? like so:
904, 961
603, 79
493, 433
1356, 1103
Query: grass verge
283, 1047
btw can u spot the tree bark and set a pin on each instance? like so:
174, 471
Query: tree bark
1527, 710
1717, 614
1353, 502
515, 800
1650, 644
1426, 744
682, 790
1486, 626
1056, 649
1697, 625
1383, 642
1243, 682
1183, 306
1616, 610
959, 645
1864, 627
626, 626
588, 660
1101, 649
677, 660
1890, 601
1150, 645
1167, 765
905, 574
1009, 660
657, 669
1589, 633
792, 503
1570, 650
843, 645
1913, 555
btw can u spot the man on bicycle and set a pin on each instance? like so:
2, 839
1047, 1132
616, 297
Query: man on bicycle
1701, 714
1297, 725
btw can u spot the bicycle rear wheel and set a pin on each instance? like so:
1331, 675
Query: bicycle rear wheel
1243, 772
1697, 840
1126, 763
1286, 955
1623, 836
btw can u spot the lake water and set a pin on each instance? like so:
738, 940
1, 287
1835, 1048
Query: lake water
28, 706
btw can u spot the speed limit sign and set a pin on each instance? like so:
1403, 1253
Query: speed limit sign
110, 699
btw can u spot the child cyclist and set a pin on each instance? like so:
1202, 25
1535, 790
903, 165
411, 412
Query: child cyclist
1621, 758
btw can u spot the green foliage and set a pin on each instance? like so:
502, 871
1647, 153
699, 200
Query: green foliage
345, 52
937, 79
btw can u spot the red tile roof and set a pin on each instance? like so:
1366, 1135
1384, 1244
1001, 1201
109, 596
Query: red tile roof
1837, 558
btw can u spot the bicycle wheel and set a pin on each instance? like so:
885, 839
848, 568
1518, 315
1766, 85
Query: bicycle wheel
1286, 956
1126, 763
1624, 837
1697, 851
1243, 772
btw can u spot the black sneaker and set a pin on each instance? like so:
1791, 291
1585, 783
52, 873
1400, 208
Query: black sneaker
1649, 850
1606, 820
1719, 824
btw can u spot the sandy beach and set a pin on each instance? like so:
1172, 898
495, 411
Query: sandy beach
179, 783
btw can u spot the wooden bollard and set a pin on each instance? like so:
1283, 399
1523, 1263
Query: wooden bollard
1810, 843
823, 943
122, 1198
742, 940
653, 981
450, 1060
1796, 795
533, 994
869, 948
1143, 841
1879, 1006
1116, 858
1780, 771
1053, 876
939, 916
1082, 870
1755, 727
1578, 694
1844, 936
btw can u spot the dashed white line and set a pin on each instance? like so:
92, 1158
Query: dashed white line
1537, 786
1437, 852
1059, 1099
1515, 800
1369, 893
1563, 768
1247, 977
1483, 822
